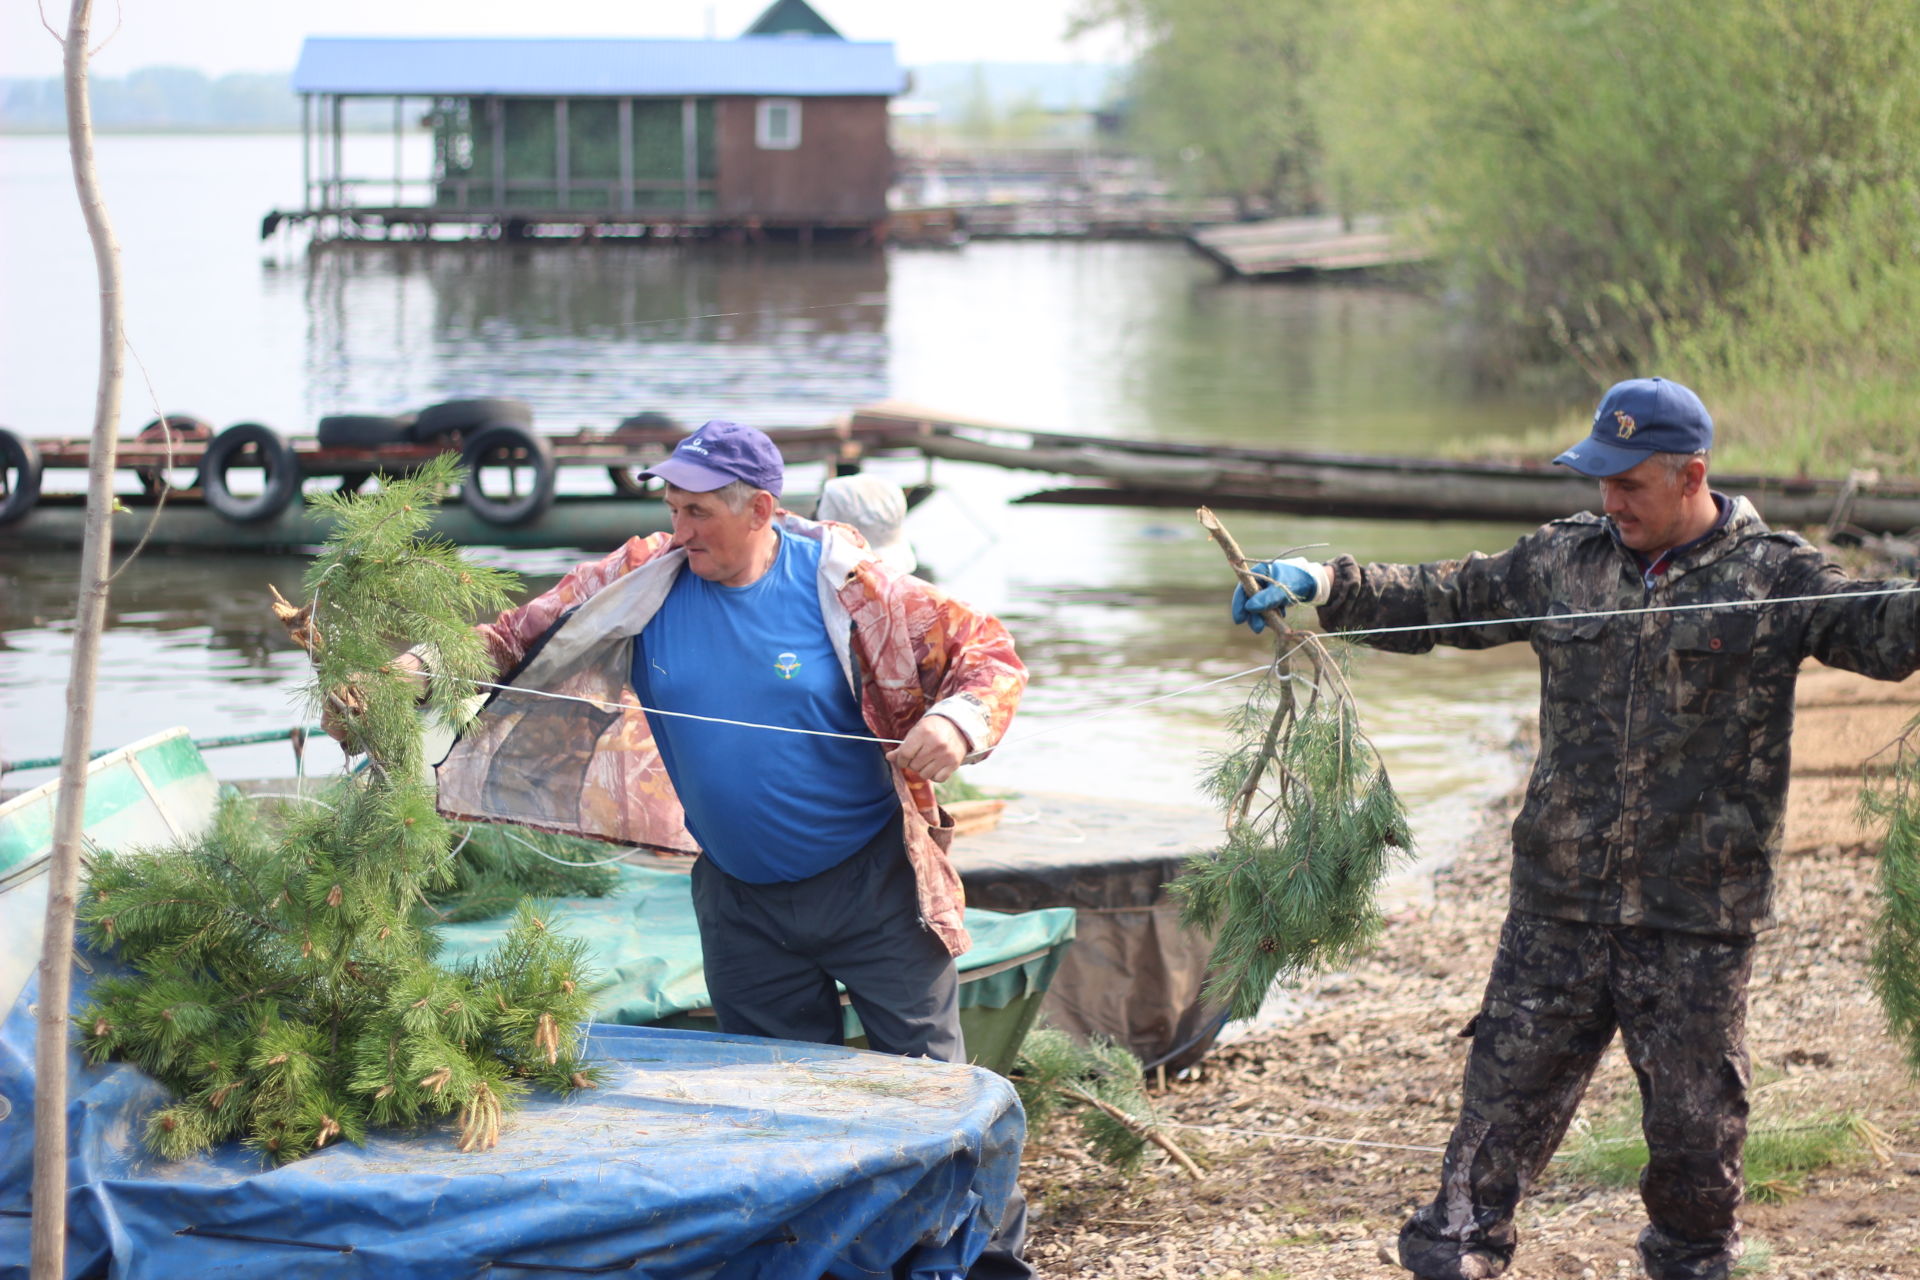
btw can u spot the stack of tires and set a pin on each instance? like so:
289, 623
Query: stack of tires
19, 476
492, 434
495, 438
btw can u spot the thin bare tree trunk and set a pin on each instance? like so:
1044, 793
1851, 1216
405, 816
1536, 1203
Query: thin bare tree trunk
63, 874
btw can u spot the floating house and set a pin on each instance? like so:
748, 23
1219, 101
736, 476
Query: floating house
781, 131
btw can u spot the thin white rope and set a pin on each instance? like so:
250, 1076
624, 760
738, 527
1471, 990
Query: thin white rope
287, 795
1326, 1141
1075, 720
565, 862
605, 705
1304, 1137
1621, 613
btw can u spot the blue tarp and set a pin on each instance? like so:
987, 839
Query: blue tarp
644, 946
703, 1156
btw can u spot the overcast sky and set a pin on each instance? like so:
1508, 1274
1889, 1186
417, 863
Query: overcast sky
218, 36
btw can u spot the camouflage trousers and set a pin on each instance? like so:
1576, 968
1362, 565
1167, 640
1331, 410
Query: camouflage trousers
1557, 991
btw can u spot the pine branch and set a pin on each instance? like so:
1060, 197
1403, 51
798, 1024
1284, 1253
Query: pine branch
1105, 1083
1895, 959
1312, 822
283, 982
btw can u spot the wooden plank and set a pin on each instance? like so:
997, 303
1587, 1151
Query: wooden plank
1294, 245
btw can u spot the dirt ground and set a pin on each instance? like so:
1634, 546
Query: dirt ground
1318, 1139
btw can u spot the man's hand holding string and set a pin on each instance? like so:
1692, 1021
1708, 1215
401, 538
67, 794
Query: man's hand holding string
934, 748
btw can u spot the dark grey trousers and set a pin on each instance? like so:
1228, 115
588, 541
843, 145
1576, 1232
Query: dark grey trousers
1558, 990
774, 951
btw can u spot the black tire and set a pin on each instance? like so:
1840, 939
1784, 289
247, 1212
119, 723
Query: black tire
449, 416
363, 430
185, 429
274, 456
19, 476
515, 446
626, 480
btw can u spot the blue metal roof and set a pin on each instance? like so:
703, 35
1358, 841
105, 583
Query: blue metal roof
797, 66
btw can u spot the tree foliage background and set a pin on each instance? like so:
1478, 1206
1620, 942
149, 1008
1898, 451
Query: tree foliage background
1224, 91
1724, 190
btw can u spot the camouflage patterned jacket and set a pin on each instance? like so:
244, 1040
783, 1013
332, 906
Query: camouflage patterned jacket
1658, 794
907, 650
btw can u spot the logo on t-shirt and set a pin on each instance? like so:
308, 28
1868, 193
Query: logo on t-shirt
786, 664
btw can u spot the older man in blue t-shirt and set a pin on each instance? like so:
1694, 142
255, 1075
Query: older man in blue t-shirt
775, 661
803, 879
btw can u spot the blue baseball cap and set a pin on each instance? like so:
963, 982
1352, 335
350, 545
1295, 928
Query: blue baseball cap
1637, 419
719, 453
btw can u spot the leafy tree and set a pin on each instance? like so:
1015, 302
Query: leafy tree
282, 984
1594, 171
1812, 356
1227, 90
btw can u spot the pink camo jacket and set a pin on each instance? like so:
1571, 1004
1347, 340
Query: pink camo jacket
908, 650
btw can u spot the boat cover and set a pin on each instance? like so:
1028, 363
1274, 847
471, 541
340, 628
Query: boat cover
644, 943
1135, 973
702, 1156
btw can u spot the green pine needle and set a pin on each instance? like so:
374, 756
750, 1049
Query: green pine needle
282, 981
1056, 1074
1292, 892
1894, 962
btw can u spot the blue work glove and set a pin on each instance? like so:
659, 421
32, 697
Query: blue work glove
1295, 581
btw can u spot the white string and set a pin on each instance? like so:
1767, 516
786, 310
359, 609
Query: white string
1621, 613
1069, 721
1326, 1141
604, 705
1304, 1137
287, 795
565, 862
1075, 720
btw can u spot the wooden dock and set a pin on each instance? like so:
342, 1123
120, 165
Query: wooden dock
1281, 248
1151, 473
1096, 470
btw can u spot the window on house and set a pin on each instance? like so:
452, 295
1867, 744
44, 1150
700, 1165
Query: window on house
777, 125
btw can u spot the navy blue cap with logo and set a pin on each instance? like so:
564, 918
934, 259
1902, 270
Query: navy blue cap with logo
1637, 419
719, 453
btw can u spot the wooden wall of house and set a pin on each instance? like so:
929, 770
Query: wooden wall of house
840, 172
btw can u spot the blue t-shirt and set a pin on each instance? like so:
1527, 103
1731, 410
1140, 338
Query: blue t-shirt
765, 806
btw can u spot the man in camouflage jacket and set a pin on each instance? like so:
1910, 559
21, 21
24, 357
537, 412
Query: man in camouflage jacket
1669, 634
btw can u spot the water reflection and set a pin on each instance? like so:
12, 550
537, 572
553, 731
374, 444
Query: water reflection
1110, 607
591, 334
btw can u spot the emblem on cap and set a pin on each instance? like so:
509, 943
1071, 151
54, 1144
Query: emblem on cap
1626, 425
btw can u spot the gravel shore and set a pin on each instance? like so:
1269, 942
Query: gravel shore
1318, 1138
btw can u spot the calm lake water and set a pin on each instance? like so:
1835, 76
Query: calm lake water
1110, 607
